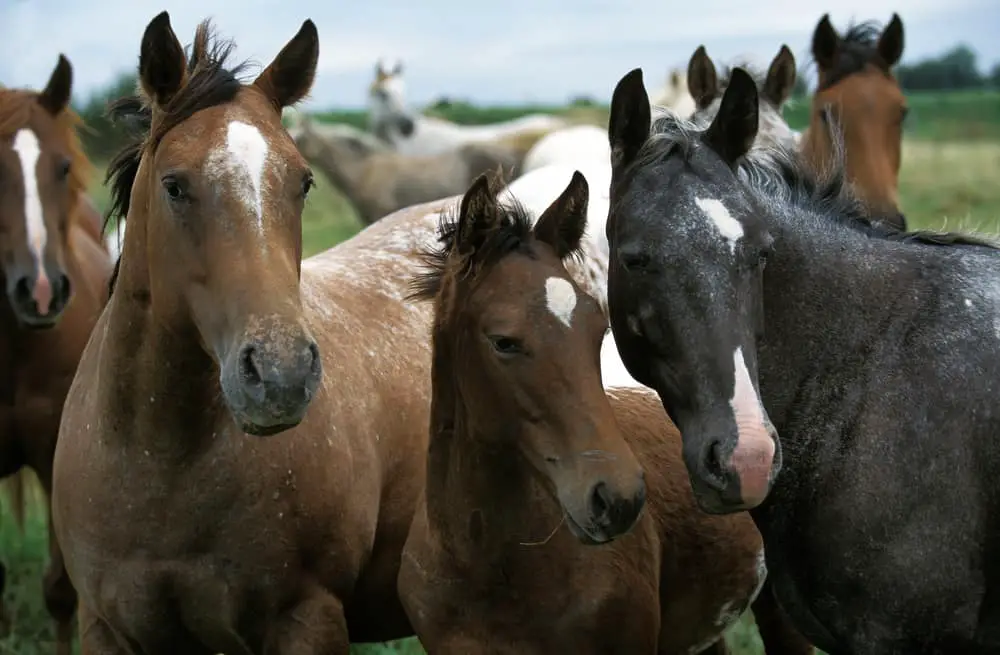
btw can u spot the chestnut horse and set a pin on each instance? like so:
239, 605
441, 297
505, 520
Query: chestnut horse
55, 272
524, 441
858, 92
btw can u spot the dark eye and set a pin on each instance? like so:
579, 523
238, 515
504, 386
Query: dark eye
173, 188
307, 183
505, 345
632, 259
63, 169
903, 113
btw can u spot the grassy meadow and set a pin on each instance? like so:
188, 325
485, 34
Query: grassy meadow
950, 178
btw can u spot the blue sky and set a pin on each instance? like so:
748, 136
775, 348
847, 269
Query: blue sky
510, 51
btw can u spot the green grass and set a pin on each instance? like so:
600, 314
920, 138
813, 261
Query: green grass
944, 183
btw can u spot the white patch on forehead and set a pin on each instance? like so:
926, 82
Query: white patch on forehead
728, 227
560, 297
243, 160
745, 402
28, 150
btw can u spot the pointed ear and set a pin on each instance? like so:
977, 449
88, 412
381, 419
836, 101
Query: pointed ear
162, 69
398, 68
628, 125
734, 128
477, 216
675, 78
890, 44
780, 77
703, 81
288, 78
825, 43
562, 225
57, 92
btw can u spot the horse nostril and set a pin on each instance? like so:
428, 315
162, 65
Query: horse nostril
22, 290
714, 472
248, 369
600, 501
315, 365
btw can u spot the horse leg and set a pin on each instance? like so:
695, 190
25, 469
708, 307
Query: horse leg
60, 596
777, 633
316, 626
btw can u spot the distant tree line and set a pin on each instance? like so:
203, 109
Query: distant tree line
955, 69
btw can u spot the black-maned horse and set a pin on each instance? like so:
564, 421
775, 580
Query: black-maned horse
877, 353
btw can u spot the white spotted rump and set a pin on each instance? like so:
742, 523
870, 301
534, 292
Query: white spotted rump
728, 227
560, 297
28, 150
243, 160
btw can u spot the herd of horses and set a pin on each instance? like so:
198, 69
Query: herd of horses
677, 368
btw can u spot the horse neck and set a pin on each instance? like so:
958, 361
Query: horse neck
482, 498
342, 165
833, 298
153, 368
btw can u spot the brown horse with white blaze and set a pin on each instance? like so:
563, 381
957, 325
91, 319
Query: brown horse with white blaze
55, 271
524, 440
186, 528
859, 94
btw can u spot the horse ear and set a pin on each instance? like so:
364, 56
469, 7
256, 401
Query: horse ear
780, 77
628, 125
57, 92
563, 223
825, 43
398, 68
703, 82
476, 215
734, 128
288, 78
162, 68
890, 44
675, 78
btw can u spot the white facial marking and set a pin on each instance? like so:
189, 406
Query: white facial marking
243, 160
28, 150
728, 227
745, 402
560, 296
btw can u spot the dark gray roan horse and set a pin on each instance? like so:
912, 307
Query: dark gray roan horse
880, 372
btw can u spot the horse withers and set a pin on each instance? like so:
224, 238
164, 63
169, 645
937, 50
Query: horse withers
557, 515
55, 272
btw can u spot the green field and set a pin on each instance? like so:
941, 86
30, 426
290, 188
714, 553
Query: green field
951, 160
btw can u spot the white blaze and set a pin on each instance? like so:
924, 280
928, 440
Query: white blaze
560, 297
243, 161
745, 402
728, 227
28, 150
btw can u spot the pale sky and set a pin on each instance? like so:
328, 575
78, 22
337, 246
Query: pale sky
507, 51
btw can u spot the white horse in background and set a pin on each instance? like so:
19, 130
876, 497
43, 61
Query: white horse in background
674, 95
414, 134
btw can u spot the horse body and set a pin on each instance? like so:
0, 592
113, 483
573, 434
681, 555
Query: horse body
381, 181
674, 95
299, 528
55, 247
876, 352
418, 135
571, 146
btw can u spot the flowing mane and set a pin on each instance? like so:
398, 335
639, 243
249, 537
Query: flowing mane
16, 106
211, 81
779, 177
858, 47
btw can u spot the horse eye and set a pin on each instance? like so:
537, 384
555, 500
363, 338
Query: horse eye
172, 187
903, 113
63, 169
308, 183
505, 345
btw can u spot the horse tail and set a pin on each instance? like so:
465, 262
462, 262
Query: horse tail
13, 489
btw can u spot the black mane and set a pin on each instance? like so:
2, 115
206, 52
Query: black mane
211, 82
857, 49
513, 233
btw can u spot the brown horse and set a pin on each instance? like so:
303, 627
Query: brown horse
186, 528
858, 93
55, 272
524, 441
